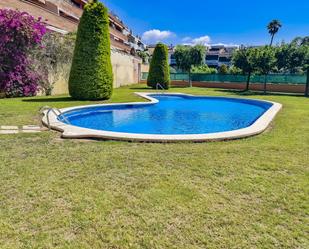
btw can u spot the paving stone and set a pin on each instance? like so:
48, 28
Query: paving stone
8, 131
31, 127
6, 127
30, 131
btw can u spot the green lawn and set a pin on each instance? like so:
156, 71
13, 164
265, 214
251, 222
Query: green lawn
249, 193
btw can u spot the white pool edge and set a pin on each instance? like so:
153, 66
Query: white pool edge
70, 131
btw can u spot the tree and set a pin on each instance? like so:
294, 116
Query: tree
223, 69
265, 61
144, 56
159, 71
182, 57
306, 68
244, 59
305, 41
296, 58
91, 75
187, 57
283, 55
290, 57
273, 28
20, 33
299, 41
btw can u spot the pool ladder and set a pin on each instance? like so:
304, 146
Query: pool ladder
158, 85
53, 110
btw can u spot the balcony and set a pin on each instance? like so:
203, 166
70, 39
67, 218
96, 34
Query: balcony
59, 7
113, 18
70, 9
118, 34
120, 45
212, 62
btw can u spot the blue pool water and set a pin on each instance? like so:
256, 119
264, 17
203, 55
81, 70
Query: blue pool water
174, 114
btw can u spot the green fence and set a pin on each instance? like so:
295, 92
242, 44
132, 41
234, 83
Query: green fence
271, 78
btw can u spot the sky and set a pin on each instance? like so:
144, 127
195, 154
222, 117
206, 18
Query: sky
212, 22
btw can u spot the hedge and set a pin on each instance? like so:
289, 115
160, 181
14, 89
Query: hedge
91, 76
159, 71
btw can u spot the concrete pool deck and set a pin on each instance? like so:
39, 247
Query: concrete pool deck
70, 131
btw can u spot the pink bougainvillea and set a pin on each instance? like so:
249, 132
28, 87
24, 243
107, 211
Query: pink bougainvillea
19, 34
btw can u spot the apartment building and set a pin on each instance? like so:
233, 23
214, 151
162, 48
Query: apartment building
218, 55
63, 16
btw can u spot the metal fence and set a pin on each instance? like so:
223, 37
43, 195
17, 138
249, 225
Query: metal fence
294, 79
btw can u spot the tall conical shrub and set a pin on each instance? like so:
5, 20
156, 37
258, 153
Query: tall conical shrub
91, 75
159, 71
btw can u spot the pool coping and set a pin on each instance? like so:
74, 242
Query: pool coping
71, 131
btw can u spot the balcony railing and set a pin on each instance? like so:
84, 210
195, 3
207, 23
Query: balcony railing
118, 34
120, 45
70, 8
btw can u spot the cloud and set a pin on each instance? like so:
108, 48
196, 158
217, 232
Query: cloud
186, 39
203, 40
225, 44
156, 35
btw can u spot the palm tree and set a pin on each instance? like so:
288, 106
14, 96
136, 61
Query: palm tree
273, 27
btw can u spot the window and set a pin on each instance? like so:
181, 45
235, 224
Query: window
212, 57
224, 59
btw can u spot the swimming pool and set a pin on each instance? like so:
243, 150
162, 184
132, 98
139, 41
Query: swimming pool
169, 117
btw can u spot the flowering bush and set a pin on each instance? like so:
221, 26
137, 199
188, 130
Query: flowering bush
19, 34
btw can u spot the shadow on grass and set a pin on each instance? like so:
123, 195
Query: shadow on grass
46, 100
141, 88
152, 89
258, 93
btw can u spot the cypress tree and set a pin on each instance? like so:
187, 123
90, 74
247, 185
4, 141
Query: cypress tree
159, 71
91, 76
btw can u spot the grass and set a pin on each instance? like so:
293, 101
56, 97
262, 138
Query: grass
249, 193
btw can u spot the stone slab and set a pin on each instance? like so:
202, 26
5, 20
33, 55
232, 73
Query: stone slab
30, 131
31, 127
7, 127
5, 132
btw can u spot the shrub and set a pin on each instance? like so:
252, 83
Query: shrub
235, 70
159, 71
204, 69
223, 69
19, 34
91, 75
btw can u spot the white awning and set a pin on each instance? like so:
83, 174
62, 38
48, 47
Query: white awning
61, 31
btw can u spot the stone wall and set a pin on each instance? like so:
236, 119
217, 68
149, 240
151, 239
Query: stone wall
126, 70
